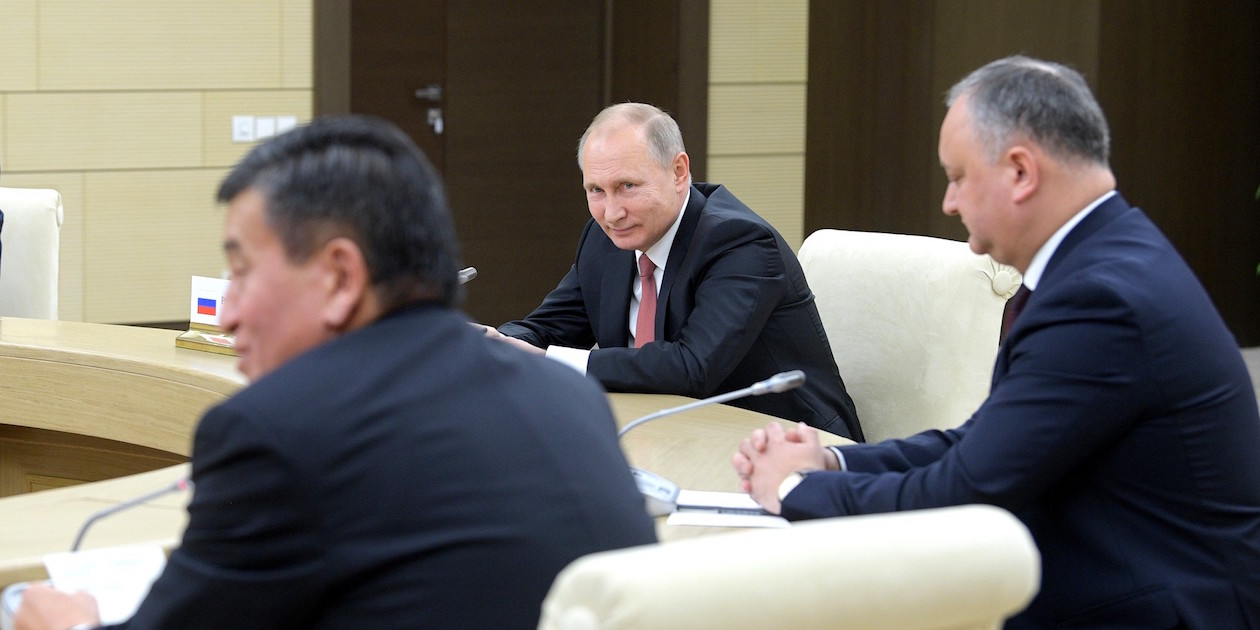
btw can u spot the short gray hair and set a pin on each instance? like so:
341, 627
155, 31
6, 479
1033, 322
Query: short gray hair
664, 140
1048, 102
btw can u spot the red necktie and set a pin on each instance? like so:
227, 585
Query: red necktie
1012, 309
645, 328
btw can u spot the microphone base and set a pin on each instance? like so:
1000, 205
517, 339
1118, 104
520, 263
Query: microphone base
660, 495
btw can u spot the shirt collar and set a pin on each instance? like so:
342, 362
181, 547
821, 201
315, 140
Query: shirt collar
1038, 265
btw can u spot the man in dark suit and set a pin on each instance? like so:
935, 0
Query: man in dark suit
1121, 425
388, 466
732, 307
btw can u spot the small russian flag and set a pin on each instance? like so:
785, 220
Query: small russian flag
206, 306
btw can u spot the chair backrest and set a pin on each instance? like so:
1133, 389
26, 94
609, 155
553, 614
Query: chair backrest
913, 323
30, 247
960, 567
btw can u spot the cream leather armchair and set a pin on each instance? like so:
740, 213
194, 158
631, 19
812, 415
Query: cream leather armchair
965, 567
31, 238
913, 323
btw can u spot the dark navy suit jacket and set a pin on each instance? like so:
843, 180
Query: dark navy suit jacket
734, 308
411, 474
1121, 428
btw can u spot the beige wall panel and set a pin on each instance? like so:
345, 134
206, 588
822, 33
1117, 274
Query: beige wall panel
219, 107
3, 162
20, 57
158, 44
72, 131
70, 280
296, 41
763, 119
758, 40
146, 234
773, 186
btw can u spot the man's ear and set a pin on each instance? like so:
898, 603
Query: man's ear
681, 170
346, 282
1025, 172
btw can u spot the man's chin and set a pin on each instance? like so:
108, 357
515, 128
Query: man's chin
625, 241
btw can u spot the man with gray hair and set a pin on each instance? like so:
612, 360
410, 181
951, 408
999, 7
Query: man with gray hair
1121, 425
684, 289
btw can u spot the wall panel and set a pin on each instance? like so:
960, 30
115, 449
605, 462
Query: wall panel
756, 119
145, 234
758, 41
18, 36
771, 185
158, 44
296, 35
757, 93
58, 131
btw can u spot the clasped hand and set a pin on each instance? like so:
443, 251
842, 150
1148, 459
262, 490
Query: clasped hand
769, 455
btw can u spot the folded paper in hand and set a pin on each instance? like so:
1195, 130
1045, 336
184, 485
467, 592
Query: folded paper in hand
118, 577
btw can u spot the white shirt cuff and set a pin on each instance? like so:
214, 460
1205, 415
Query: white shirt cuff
575, 358
844, 466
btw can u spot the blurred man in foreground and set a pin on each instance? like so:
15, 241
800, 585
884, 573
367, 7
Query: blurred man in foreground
388, 466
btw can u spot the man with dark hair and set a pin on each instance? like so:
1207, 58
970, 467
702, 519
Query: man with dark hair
1121, 425
726, 303
388, 466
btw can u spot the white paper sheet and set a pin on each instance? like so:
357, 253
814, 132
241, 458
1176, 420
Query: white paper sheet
721, 509
118, 577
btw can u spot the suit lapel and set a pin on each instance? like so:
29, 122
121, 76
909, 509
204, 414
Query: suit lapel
678, 253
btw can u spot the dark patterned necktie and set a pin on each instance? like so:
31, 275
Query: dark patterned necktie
1012, 310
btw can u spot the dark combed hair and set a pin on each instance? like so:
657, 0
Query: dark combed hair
1042, 100
361, 178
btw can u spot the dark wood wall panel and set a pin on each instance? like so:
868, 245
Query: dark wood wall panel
521, 87
869, 117
1181, 84
660, 55
1178, 79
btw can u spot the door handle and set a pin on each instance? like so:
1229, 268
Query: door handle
434, 118
431, 93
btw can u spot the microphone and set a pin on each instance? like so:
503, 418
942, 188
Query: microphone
466, 274
660, 495
175, 486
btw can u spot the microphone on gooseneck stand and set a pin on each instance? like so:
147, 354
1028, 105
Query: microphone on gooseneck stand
466, 274
180, 484
660, 495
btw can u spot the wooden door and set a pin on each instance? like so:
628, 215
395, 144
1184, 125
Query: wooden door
514, 89
398, 67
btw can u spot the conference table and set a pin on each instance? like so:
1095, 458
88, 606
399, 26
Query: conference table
104, 397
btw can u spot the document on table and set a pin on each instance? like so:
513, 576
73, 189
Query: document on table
721, 509
118, 577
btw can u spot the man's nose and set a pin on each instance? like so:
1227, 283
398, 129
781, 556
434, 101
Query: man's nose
228, 318
948, 205
613, 210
